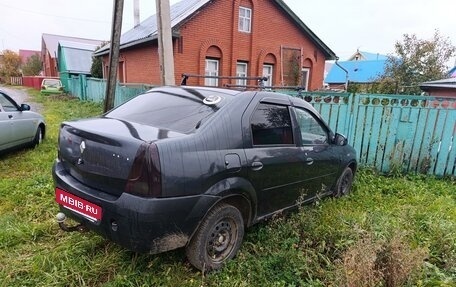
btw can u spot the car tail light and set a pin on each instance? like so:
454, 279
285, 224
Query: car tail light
145, 175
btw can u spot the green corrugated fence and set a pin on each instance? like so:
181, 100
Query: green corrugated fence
92, 89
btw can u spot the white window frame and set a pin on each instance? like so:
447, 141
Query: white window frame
213, 82
268, 71
241, 71
245, 19
305, 75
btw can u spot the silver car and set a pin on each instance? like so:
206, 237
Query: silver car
18, 125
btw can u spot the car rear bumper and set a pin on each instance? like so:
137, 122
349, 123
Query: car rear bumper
140, 224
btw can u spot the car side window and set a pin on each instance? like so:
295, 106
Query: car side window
271, 125
6, 104
312, 133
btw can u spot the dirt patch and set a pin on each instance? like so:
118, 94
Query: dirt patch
21, 96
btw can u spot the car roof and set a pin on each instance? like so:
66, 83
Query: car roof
207, 89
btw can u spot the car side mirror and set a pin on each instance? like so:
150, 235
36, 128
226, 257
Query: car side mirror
340, 140
25, 107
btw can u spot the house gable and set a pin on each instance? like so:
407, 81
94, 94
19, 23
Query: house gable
210, 30
49, 50
75, 58
362, 68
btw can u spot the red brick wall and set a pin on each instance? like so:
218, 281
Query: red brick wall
140, 64
217, 25
451, 93
49, 66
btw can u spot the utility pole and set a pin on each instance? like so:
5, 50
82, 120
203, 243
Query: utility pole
165, 43
114, 54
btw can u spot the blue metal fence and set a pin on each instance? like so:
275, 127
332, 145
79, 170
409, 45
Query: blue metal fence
407, 133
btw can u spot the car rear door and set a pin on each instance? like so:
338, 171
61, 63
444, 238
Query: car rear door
274, 161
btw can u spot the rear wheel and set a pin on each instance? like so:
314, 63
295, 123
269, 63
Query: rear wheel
344, 183
217, 239
38, 137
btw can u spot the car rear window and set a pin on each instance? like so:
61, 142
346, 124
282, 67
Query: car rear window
175, 109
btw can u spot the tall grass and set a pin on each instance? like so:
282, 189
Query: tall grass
391, 231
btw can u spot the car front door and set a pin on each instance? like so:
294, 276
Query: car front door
321, 160
6, 126
20, 125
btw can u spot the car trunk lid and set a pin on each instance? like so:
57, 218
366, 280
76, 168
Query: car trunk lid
100, 152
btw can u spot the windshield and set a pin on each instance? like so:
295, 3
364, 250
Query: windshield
51, 83
175, 109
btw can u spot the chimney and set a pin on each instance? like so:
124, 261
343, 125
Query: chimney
136, 12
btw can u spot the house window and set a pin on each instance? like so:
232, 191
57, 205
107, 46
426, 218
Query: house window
121, 72
241, 71
267, 72
106, 72
305, 72
245, 19
212, 69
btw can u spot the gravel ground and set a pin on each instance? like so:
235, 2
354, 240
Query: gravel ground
21, 96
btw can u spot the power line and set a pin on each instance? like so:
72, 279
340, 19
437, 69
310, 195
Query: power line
56, 16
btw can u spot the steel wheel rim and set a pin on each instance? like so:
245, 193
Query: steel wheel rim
40, 136
345, 183
221, 240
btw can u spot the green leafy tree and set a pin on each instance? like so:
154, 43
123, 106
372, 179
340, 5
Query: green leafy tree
33, 66
416, 61
11, 62
96, 70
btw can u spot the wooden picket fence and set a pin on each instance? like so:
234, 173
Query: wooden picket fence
410, 134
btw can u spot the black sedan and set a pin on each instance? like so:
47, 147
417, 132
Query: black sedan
194, 166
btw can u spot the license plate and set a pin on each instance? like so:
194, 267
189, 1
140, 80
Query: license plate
83, 207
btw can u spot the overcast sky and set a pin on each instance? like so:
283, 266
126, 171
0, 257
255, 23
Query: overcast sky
344, 25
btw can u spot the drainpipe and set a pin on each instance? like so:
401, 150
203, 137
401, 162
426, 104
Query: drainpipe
346, 73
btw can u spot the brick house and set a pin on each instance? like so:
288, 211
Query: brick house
49, 45
444, 90
227, 38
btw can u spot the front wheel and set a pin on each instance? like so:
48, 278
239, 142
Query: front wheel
218, 238
344, 183
38, 137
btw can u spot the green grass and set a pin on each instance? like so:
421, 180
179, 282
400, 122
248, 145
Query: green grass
391, 231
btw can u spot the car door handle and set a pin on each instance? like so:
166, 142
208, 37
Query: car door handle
309, 161
257, 165
10, 116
